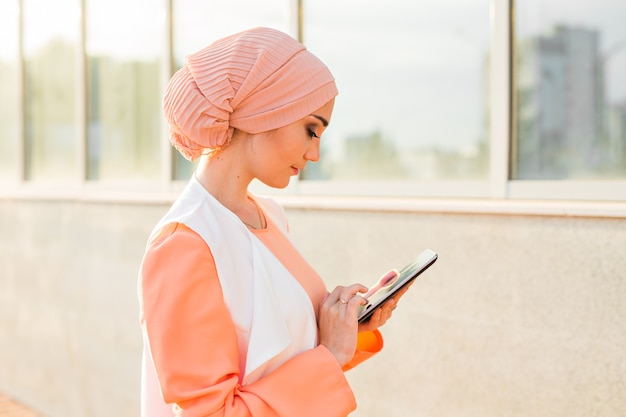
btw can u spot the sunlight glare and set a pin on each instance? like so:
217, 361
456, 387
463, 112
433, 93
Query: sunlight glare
8, 31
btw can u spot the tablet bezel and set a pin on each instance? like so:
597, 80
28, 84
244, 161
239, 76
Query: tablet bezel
407, 274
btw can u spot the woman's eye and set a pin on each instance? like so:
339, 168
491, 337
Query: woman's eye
313, 134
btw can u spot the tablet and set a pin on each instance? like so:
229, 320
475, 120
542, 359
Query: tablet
406, 276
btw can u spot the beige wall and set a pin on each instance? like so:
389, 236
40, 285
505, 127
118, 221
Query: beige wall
520, 316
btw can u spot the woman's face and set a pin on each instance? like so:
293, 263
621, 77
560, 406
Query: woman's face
284, 152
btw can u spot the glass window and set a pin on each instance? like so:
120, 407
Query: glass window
10, 90
197, 23
570, 90
124, 43
50, 38
412, 79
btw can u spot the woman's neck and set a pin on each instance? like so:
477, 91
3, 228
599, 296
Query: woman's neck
223, 179
228, 183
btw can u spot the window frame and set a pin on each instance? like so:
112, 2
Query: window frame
497, 192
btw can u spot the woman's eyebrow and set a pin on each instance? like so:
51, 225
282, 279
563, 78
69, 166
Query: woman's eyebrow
321, 119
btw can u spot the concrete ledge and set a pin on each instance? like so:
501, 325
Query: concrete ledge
461, 206
152, 195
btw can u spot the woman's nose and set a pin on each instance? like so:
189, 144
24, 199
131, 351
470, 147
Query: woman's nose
313, 152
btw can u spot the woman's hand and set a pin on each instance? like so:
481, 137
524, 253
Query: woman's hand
384, 313
338, 323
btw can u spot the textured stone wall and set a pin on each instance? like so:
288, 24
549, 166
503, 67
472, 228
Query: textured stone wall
520, 316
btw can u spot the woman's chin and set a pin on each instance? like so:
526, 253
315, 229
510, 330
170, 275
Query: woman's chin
277, 183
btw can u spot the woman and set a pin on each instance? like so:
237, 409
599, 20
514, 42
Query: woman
235, 322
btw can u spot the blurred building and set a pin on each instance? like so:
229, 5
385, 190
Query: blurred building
561, 105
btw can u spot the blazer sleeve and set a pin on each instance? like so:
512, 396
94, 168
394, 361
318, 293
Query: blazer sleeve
368, 344
193, 343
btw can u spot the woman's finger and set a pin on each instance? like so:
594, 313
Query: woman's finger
350, 291
335, 295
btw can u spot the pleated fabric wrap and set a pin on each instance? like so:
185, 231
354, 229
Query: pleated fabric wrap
256, 81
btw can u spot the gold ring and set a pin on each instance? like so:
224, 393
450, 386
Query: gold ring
342, 301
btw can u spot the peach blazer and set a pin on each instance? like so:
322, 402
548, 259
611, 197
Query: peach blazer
228, 330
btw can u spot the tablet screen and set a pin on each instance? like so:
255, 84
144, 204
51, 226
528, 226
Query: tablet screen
406, 275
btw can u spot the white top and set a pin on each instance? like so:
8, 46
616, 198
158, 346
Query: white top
272, 313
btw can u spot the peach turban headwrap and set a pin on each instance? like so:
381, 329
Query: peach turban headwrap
256, 81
